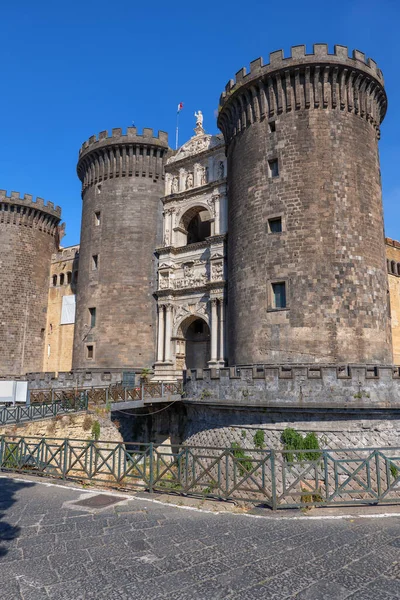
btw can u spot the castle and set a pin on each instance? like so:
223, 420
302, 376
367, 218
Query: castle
258, 248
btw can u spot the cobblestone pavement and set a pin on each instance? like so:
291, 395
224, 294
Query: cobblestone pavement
143, 550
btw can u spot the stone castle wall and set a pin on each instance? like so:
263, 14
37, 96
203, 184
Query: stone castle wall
393, 268
216, 427
74, 426
59, 336
29, 234
296, 386
301, 137
122, 183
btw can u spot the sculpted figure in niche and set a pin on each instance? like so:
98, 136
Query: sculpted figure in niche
221, 169
174, 185
189, 181
204, 176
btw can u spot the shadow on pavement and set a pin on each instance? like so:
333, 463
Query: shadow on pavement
8, 490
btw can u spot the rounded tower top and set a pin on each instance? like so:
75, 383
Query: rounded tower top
27, 201
127, 154
303, 81
130, 137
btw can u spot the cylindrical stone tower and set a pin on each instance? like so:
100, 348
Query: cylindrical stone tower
29, 234
122, 184
306, 255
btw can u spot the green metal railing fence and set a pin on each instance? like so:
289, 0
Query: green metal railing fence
22, 413
275, 478
115, 393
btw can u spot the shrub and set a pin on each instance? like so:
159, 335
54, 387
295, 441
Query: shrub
259, 439
394, 470
10, 460
95, 430
244, 462
293, 440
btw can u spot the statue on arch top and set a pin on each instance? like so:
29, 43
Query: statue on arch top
199, 122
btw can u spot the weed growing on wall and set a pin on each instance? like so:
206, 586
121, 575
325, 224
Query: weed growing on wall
293, 440
259, 439
244, 462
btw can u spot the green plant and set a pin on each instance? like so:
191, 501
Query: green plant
244, 462
394, 470
95, 430
293, 440
259, 439
360, 394
307, 497
211, 486
145, 375
243, 434
205, 394
10, 460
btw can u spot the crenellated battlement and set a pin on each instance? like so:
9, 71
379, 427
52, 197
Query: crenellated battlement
131, 136
302, 81
27, 201
17, 210
323, 386
122, 155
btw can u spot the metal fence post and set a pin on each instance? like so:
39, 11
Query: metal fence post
65, 458
151, 471
162, 389
52, 395
1, 451
326, 475
273, 480
378, 474
142, 390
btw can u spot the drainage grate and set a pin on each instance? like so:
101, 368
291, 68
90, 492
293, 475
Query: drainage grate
99, 501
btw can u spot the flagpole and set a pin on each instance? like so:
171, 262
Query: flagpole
177, 130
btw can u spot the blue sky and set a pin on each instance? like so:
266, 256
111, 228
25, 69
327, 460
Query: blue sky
71, 69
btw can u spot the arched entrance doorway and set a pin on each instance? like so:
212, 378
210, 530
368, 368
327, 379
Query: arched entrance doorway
195, 226
195, 350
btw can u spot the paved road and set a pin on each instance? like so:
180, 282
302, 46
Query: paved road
142, 550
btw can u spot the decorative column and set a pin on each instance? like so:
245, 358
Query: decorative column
160, 345
221, 331
171, 226
214, 330
217, 228
168, 332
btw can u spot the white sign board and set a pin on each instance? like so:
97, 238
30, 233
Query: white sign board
13, 391
68, 310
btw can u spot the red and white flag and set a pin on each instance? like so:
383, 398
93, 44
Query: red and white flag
180, 106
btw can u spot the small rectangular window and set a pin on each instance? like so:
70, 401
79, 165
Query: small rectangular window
275, 225
92, 317
89, 351
95, 262
272, 126
273, 168
97, 218
279, 294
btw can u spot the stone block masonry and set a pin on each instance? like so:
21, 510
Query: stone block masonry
29, 234
221, 427
122, 183
297, 386
301, 140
